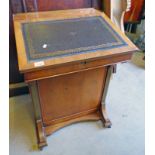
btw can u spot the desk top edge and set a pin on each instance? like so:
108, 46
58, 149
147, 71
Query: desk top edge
20, 17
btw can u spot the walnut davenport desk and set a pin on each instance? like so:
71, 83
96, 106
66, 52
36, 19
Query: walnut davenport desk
67, 58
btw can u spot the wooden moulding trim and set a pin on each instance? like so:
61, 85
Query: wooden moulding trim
74, 67
89, 117
66, 118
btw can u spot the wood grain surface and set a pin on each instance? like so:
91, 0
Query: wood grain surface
70, 95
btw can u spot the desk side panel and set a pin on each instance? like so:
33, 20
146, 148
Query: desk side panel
70, 96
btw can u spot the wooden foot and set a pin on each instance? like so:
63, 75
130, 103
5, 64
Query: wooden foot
41, 134
105, 119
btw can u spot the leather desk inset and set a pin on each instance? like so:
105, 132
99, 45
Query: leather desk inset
86, 34
67, 58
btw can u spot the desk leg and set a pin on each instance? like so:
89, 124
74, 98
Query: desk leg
106, 121
39, 124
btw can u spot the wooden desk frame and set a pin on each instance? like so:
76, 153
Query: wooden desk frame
94, 68
100, 114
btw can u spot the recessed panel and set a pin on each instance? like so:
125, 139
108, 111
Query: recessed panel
69, 95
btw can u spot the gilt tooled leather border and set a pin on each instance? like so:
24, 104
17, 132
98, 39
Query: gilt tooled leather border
33, 55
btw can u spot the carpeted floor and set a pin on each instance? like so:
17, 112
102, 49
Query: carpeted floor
125, 103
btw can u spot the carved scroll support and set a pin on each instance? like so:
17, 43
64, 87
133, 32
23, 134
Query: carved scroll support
105, 119
41, 136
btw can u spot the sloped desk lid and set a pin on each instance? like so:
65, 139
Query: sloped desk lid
45, 40
59, 38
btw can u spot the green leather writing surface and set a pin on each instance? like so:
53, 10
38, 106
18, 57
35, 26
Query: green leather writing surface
58, 38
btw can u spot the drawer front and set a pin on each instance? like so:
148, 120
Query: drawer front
74, 67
